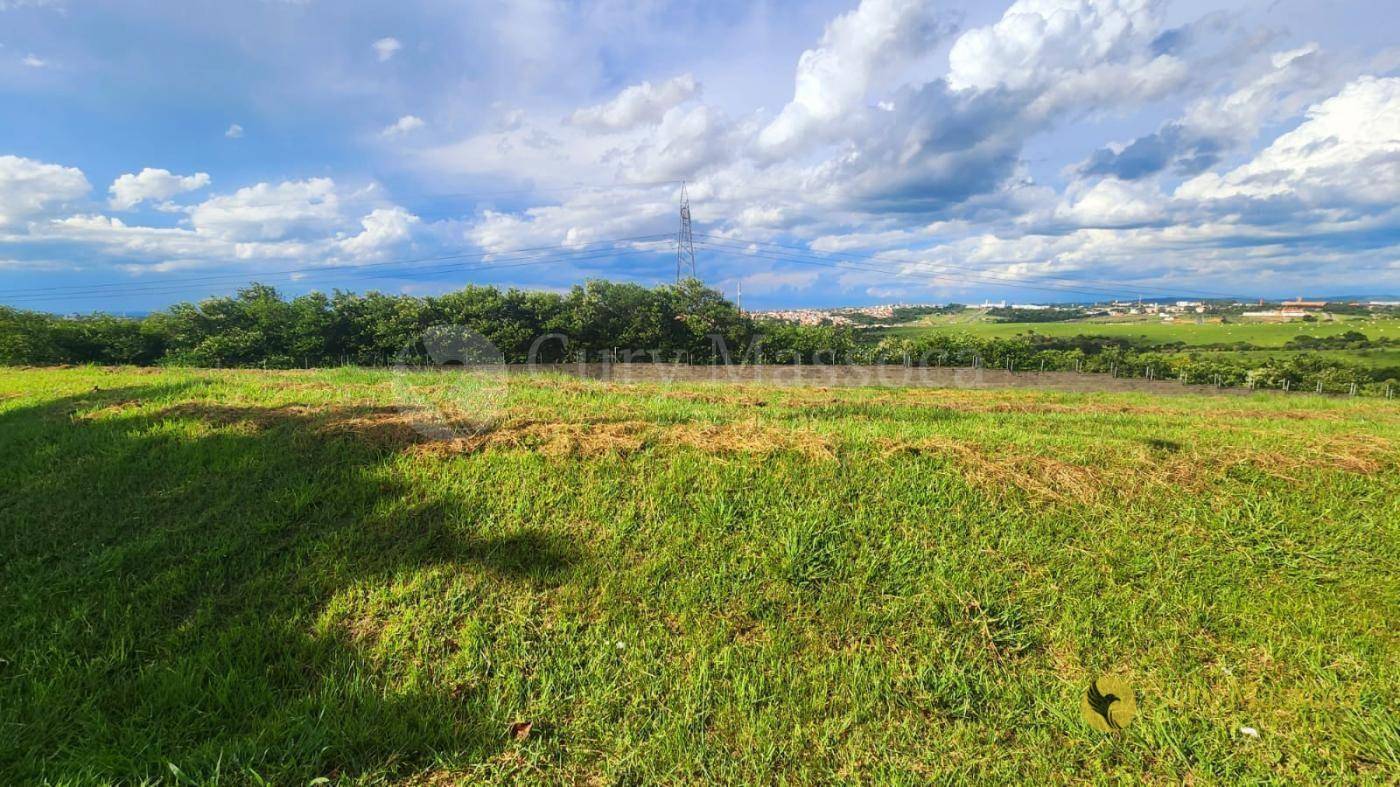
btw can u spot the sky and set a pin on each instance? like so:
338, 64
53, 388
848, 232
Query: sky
834, 153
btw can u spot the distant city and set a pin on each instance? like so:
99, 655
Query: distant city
1168, 310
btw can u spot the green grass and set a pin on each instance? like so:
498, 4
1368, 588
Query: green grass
253, 575
1262, 334
1377, 358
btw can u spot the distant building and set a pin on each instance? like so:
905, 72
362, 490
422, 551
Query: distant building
1301, 306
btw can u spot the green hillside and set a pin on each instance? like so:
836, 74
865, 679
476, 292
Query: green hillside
1154, 330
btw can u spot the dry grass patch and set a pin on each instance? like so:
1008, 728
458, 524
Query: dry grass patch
1142, 472
573, 438
997, 470
395, 428
1358, 453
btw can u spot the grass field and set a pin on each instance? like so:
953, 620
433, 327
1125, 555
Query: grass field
234, 576
1262, 334
1387, 357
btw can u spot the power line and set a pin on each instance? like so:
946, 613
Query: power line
476, 195
136, 286
161, 288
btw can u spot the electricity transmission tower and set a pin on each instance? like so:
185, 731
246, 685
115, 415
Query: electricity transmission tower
685, 244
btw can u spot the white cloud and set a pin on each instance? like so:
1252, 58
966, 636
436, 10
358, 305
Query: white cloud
585, 218
643, 104
403, 125
34, 61
1069, 54
130, 190
765, 282
234, 131
270, 212
834, 79
305, 221
29, 188
686, 142
386, 48
1346, 152
383, 229
1037, 42
1216, 125
1111, 203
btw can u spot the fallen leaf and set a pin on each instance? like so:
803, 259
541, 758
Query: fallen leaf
521, 730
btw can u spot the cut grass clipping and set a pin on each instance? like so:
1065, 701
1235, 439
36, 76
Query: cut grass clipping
240, 576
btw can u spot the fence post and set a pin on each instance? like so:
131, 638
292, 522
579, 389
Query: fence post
1353, 389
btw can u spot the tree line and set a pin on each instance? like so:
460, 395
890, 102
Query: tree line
1295, 371
258, 327
685, 322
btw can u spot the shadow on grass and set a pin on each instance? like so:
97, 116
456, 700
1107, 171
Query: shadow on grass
161, 578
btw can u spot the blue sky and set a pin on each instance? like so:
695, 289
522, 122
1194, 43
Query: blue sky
835, 153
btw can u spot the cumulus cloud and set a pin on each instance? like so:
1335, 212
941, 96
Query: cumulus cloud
29, 188
1173, 145
34, 61
638, 105
1069, 53
1346, 152
382, 229
234, 131
130, 190
269, 211
765, 282
687, 141
881, 146
1112, 203
1215, 125
402, 126
386, 48
587, 217
1037, 42
834, 79
309, 221
866, 137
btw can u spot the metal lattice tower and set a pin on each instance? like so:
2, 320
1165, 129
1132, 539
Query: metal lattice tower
685, 244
